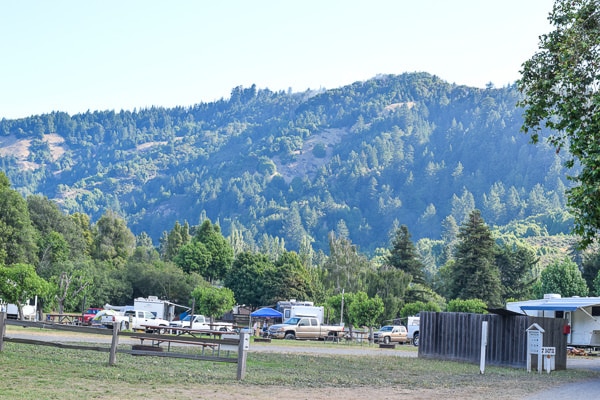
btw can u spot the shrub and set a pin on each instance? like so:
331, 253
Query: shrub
471, 306
418, 306
319, 150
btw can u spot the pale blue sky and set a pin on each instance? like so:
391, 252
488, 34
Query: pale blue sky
75, 56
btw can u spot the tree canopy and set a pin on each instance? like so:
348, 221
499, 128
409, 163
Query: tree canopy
17, 240
562, 277
213, 301
19, 283
408, 148
560, 83
218, 249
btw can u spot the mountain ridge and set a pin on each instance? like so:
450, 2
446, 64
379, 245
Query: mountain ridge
408, 149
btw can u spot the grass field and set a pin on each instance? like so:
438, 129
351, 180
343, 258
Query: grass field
40, 372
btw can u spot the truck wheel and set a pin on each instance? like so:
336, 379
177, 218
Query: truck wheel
124, 325
386, 340
290, 336
416, 339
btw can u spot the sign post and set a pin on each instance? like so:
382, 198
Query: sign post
484, 337
535, 339
549, 356
243, 348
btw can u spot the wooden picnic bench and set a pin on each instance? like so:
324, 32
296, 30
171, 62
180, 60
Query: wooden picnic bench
157, 341
332, 338
199, 332
65, 318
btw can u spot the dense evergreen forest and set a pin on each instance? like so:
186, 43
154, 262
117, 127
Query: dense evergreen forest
408, 149
402, 188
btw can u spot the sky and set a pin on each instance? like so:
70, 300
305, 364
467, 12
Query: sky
75, 56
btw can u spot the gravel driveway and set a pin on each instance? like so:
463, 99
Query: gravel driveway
581, 390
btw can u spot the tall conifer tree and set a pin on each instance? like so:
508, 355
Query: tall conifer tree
404, 255
475, 274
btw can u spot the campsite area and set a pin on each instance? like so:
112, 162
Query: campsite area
293, 369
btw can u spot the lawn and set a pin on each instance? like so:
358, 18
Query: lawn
40, 372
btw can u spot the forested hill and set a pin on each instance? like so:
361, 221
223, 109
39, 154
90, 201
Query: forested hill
359, 160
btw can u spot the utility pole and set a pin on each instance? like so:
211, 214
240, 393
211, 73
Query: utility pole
342, 309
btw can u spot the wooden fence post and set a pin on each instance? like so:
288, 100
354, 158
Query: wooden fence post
243, 347
112, 360
2, 329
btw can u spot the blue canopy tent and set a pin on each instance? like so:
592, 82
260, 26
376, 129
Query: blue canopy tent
266, 312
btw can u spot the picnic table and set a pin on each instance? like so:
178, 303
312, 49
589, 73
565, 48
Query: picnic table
157, 341
198, 332
198, 337
65, 318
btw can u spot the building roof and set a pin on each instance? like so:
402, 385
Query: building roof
554, 304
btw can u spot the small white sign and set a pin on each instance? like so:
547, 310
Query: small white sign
534, 341
535, 335
548, 351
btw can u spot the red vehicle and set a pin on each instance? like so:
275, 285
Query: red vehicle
89, 314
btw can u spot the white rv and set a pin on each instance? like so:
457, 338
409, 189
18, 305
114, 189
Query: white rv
294, 308
12, 310
582, 314
160, 308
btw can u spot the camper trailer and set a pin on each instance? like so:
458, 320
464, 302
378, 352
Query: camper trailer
582, 315
294, 308
12, 310
160, 308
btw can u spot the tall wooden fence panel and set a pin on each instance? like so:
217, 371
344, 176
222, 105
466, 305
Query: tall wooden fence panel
457, 336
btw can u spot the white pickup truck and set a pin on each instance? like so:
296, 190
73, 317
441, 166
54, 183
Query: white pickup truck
135, 320
412, 325
200, 322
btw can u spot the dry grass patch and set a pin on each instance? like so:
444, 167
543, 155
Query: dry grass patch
39, 372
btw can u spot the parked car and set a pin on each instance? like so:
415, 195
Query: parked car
391, 334
89, 314
96, 321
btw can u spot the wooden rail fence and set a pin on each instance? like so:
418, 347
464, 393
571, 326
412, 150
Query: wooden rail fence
221, 347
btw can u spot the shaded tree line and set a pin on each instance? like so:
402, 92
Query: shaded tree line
64, 259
